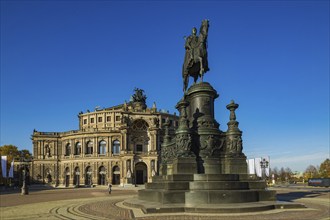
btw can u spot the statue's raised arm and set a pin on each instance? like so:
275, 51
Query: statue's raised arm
195, 60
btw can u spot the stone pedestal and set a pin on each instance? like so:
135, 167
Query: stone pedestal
209, 165
231, 164
202, 166
184, 165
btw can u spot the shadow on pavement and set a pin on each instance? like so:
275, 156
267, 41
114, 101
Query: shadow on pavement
17, 189
290, 196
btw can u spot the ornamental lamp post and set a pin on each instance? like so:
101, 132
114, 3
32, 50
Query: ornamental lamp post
25, 188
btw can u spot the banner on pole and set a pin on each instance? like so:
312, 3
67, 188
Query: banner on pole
251, 167
11, 170
4, 166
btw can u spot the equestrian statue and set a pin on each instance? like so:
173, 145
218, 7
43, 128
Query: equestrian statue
195, 60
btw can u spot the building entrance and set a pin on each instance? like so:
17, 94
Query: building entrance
115, 175
102, 175
141, 173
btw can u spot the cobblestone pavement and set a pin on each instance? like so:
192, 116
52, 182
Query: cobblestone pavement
95, 203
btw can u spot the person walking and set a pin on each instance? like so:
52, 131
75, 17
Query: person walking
109, 188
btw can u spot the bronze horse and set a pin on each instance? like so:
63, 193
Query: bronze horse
195, 62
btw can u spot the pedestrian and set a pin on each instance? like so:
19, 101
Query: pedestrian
109, 188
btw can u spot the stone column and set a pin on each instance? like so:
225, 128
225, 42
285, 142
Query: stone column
39, 150
122, 171
107, 147
124, 140
83, 147
153, 140
206, 136
71, 148
149, 176
201, 98
95, 147
233, 159
110, 172
42, 149
110, 146
55, 150
185, 160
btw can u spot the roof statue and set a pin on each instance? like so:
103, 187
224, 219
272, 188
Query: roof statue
139, 95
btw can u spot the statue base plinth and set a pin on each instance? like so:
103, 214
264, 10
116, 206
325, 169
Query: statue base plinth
209, 165
233, 164
184, 165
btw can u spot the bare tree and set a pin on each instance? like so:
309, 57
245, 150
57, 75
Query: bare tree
311, 172
324, 169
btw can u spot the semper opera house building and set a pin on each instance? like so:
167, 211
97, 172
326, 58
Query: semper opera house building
118, 145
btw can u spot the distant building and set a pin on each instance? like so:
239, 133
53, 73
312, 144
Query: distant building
117, 145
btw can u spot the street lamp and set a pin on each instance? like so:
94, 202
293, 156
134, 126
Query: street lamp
25, 188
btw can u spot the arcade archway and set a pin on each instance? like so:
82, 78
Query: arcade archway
115, 175
88, 176
141, 173
76, 180
102, 175
67, 177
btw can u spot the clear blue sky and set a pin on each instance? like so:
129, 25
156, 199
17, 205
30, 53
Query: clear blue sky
272, 57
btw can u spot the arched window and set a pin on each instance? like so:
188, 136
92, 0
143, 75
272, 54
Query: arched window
77, 149
68, 149
89, 148
116, 147
102, 147
140, 139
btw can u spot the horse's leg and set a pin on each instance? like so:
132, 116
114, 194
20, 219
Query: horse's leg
201, 71
185, 82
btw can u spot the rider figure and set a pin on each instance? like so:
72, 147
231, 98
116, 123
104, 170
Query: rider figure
195, 60
191, 44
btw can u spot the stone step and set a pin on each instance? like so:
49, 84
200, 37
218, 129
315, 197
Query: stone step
206, 185
247, 177
257, 184
162, 196
216, 177
168, 185
152, 207
157, 179
194, 197
216, 185
179, 177
228, 185
228, 196
199, 177
206, 177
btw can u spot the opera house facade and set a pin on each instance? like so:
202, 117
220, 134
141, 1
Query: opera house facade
118, 145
